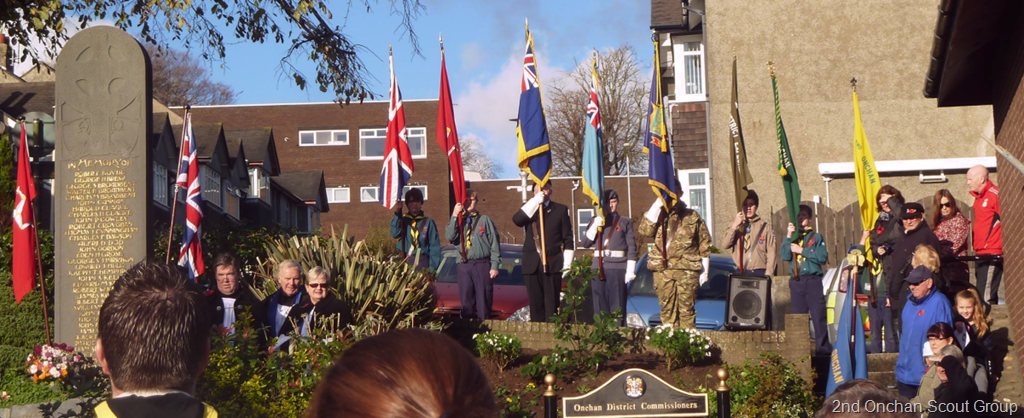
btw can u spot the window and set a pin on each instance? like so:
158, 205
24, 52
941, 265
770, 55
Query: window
371, 143
422, 189
417, 138
323, 137
695, 193
688, 55
160, 184
211, 186
337, 195
583, 217
369, 194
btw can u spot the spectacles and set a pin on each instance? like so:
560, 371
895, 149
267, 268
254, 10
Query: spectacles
317, 285
946, 205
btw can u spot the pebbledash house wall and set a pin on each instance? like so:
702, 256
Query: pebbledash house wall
1008, 109
817, 47
342, 164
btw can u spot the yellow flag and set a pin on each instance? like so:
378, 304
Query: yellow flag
864, 173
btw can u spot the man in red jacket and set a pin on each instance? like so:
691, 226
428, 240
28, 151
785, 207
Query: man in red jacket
987, 233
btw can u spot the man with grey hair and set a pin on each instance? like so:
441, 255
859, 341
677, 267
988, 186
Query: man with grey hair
290, 294
987, 233
930, 381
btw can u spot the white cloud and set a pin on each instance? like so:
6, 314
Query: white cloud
483, 107
472, 55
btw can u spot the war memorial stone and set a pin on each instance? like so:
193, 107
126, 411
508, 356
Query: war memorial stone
103, 173
636, 393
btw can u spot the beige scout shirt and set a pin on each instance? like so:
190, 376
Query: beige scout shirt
760, 249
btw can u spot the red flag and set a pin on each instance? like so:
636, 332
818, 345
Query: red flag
24, 236
448, 136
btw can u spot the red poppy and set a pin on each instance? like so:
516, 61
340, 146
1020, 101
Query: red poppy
920, 313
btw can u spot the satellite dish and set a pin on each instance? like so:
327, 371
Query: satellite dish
49, 132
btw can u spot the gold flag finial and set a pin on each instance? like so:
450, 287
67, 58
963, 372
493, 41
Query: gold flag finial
771, 68
853, 83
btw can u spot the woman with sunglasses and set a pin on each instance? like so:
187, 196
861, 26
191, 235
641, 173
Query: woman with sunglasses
327, 310
952, 229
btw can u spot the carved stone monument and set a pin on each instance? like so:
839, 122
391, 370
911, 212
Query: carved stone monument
636, 393
103, 173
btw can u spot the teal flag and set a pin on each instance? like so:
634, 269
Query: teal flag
593, 149
790, 181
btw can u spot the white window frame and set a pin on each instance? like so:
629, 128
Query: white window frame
333, 137
411, 134
422, 187
684, 194
681, 81
161, 182
331, 197
581, 227
211, 177
373, 189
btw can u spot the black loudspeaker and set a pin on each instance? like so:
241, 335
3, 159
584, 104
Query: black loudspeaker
748, 302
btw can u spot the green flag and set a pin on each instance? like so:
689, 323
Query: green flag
790, 181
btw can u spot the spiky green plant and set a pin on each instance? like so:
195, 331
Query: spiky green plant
393, 291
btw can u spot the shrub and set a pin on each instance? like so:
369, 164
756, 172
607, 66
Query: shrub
513, 404
770, 387
393, 292
499, 348
680, 347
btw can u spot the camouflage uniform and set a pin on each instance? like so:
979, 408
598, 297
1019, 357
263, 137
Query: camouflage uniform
677, 274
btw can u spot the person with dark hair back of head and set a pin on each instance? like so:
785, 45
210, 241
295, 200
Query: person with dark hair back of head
861, 393
229, 297
154, 342
408, 373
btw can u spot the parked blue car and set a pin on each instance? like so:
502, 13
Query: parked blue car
643, 309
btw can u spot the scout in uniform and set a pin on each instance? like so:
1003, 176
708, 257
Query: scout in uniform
618, 254
760, 251
417, 234
479, 253
681, 241
805, 287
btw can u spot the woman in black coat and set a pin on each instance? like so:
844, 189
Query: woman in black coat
325, 307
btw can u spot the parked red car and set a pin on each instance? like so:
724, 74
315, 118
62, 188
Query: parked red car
509, 288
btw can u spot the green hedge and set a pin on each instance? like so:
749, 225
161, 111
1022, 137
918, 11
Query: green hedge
21, 325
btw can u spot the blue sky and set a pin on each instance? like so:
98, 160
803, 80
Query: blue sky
484, 43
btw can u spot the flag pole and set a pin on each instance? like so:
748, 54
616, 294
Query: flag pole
174, 201
39, 259
543, 242
462, 231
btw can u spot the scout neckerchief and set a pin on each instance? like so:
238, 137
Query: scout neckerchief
806, 239
414, 230
474, 217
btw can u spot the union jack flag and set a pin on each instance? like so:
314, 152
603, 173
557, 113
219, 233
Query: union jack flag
191, 254
397, 159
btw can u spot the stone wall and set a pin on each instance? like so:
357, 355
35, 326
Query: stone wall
793, 344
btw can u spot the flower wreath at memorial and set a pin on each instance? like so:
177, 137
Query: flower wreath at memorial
52, 363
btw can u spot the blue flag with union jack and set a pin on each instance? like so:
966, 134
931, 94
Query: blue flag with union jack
397, 168
531, 129
593, 148
661, 173
191, 255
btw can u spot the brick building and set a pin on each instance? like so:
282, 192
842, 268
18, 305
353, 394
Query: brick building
347, 144
978, 60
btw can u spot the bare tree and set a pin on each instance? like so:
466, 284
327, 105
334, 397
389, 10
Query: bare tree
307, 27
474, 159
622, 99
180, 79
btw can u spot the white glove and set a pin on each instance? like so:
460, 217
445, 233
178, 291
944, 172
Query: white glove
567, 259
630, 270
531, 206
592, 231
654, 211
